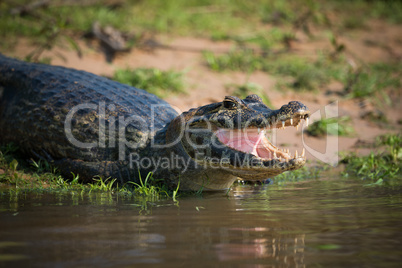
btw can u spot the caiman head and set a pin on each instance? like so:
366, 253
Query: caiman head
231, 135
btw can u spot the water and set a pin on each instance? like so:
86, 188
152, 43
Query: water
320, 223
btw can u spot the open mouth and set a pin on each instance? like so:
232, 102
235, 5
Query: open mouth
254, 141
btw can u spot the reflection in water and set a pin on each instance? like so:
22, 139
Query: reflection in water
288, 250
316, 222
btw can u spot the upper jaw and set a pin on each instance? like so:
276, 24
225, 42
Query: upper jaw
280, 120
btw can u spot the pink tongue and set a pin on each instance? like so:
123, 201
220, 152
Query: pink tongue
246, 141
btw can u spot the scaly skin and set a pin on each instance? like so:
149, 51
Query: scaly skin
89, 125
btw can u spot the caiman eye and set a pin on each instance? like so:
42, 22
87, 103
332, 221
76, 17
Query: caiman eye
229, 104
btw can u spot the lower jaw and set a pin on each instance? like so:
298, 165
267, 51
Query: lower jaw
263, 173
259, 177
207, 183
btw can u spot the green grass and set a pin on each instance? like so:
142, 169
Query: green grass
354, 22
304, 74
201, 18
191, 17
149, 190
374, 81
341, 126
364, 10
17, 176
204, 18
267, 41
155, 81
380, 167
389, 10
244, 60
393, 143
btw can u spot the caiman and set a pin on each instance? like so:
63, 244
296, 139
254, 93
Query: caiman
91, 126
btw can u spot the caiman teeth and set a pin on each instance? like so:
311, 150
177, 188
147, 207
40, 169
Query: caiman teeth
292, 121
249, 142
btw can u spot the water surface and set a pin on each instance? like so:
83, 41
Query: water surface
319, 223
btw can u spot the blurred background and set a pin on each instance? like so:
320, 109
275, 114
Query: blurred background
193, 52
